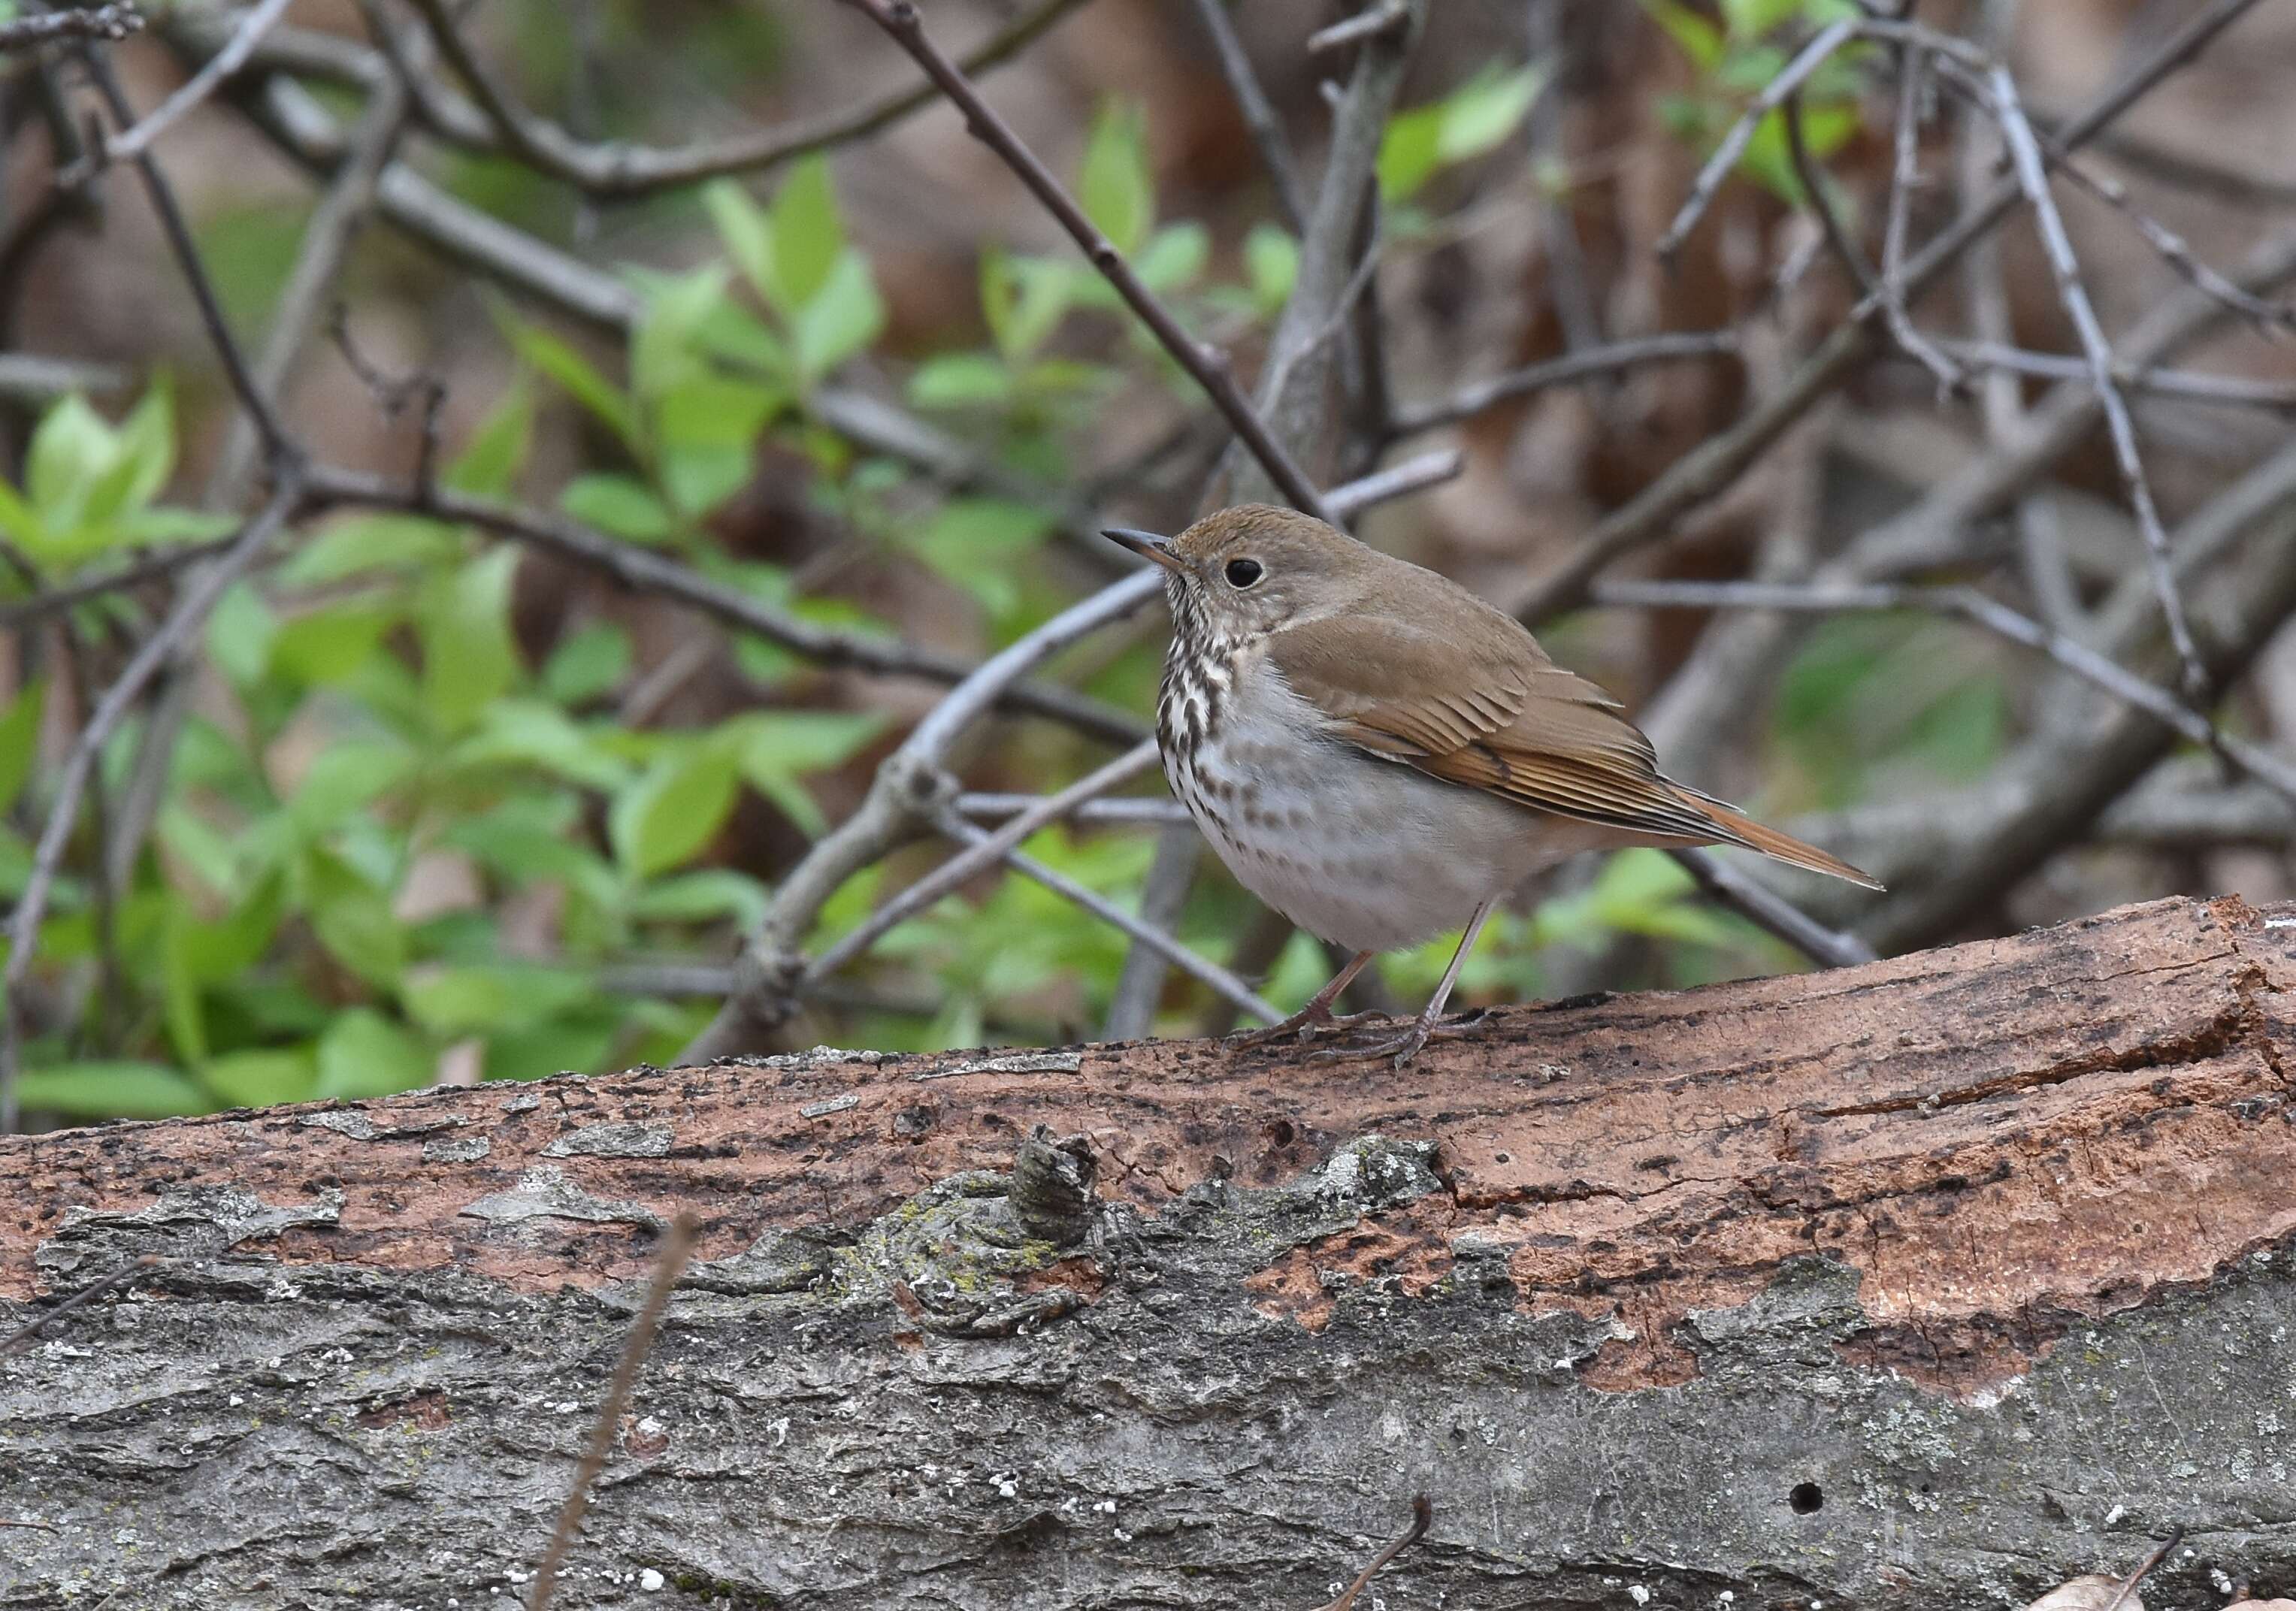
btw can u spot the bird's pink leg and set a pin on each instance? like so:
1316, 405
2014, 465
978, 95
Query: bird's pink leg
1402, 1048
1316, 1013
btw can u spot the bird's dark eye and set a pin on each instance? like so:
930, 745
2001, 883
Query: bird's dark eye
1243, 573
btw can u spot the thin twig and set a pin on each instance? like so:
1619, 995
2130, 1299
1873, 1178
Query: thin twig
1772, 911
649, 572
670, 1264
1207, 365
190, 612
2025, 155
1259, 118
1212, 973
1422, 1517
134, 140
1148, 811
1977, 608
1592, 362
2161, 1553
1719, 461
615, 170
1383, 17
1791, 77
149, 568
1815, 189
2167, 244
88, 1294
98, 22
979, 856
279, 449
2234, 391
1905, 178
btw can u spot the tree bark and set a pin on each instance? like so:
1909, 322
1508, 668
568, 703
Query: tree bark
1927, 1283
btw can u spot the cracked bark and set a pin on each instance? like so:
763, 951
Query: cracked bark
1931, 1282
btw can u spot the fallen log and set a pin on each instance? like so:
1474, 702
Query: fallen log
1931, 1282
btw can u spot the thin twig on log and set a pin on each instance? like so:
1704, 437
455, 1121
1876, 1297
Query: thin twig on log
670, 1264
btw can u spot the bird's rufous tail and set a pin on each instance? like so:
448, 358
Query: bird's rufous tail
1734, 827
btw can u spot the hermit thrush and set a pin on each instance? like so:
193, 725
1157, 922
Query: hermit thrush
1380, 755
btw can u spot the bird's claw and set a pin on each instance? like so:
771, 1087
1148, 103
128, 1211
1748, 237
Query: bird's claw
1298, 1027
1401, 1047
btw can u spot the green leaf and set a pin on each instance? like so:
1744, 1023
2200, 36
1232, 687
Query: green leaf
578, 1042
673, 810
608, 402
360, 543
487, 466
1472, 120
112, 1090
331, 645
365, 1054
20, 737
1175, 257
960, 381
701, 897
452, 1002
1118, 193
258, 1079
1752, 18
143, 456
588, 663
748, 234
151, 527
469, 658
529, 732
239, 635
710, 428
779, 747
1698, 38
354, 920
808, 238
664, 352
71, 448
980, 543
618, 506
1023, 300
1271, 262
345, 776
842, 319
187, 1025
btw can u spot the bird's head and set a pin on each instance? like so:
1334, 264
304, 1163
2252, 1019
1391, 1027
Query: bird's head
1245, 572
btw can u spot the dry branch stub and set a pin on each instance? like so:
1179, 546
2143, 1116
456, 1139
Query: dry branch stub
1937, 1280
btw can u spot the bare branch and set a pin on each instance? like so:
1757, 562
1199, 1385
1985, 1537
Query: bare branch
132, 143
1791, 77
1772, 911
2025, 153
1207, 365
1975, 607
1259, 116
135, 573
977, 856
96, 22
1720, 460
1592, 362
650, 571
622, 171
2235, 391
1231, 988
1905, 178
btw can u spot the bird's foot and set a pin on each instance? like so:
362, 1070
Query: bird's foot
1299, 1027
1401, 1047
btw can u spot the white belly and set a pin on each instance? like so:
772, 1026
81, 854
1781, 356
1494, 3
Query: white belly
1365, 853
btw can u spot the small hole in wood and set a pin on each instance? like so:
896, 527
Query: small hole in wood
1806, 1498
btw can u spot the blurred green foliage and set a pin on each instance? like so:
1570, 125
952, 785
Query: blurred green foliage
1736, 59
410, 835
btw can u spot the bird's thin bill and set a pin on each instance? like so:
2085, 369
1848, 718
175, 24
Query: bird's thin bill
1147, 544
